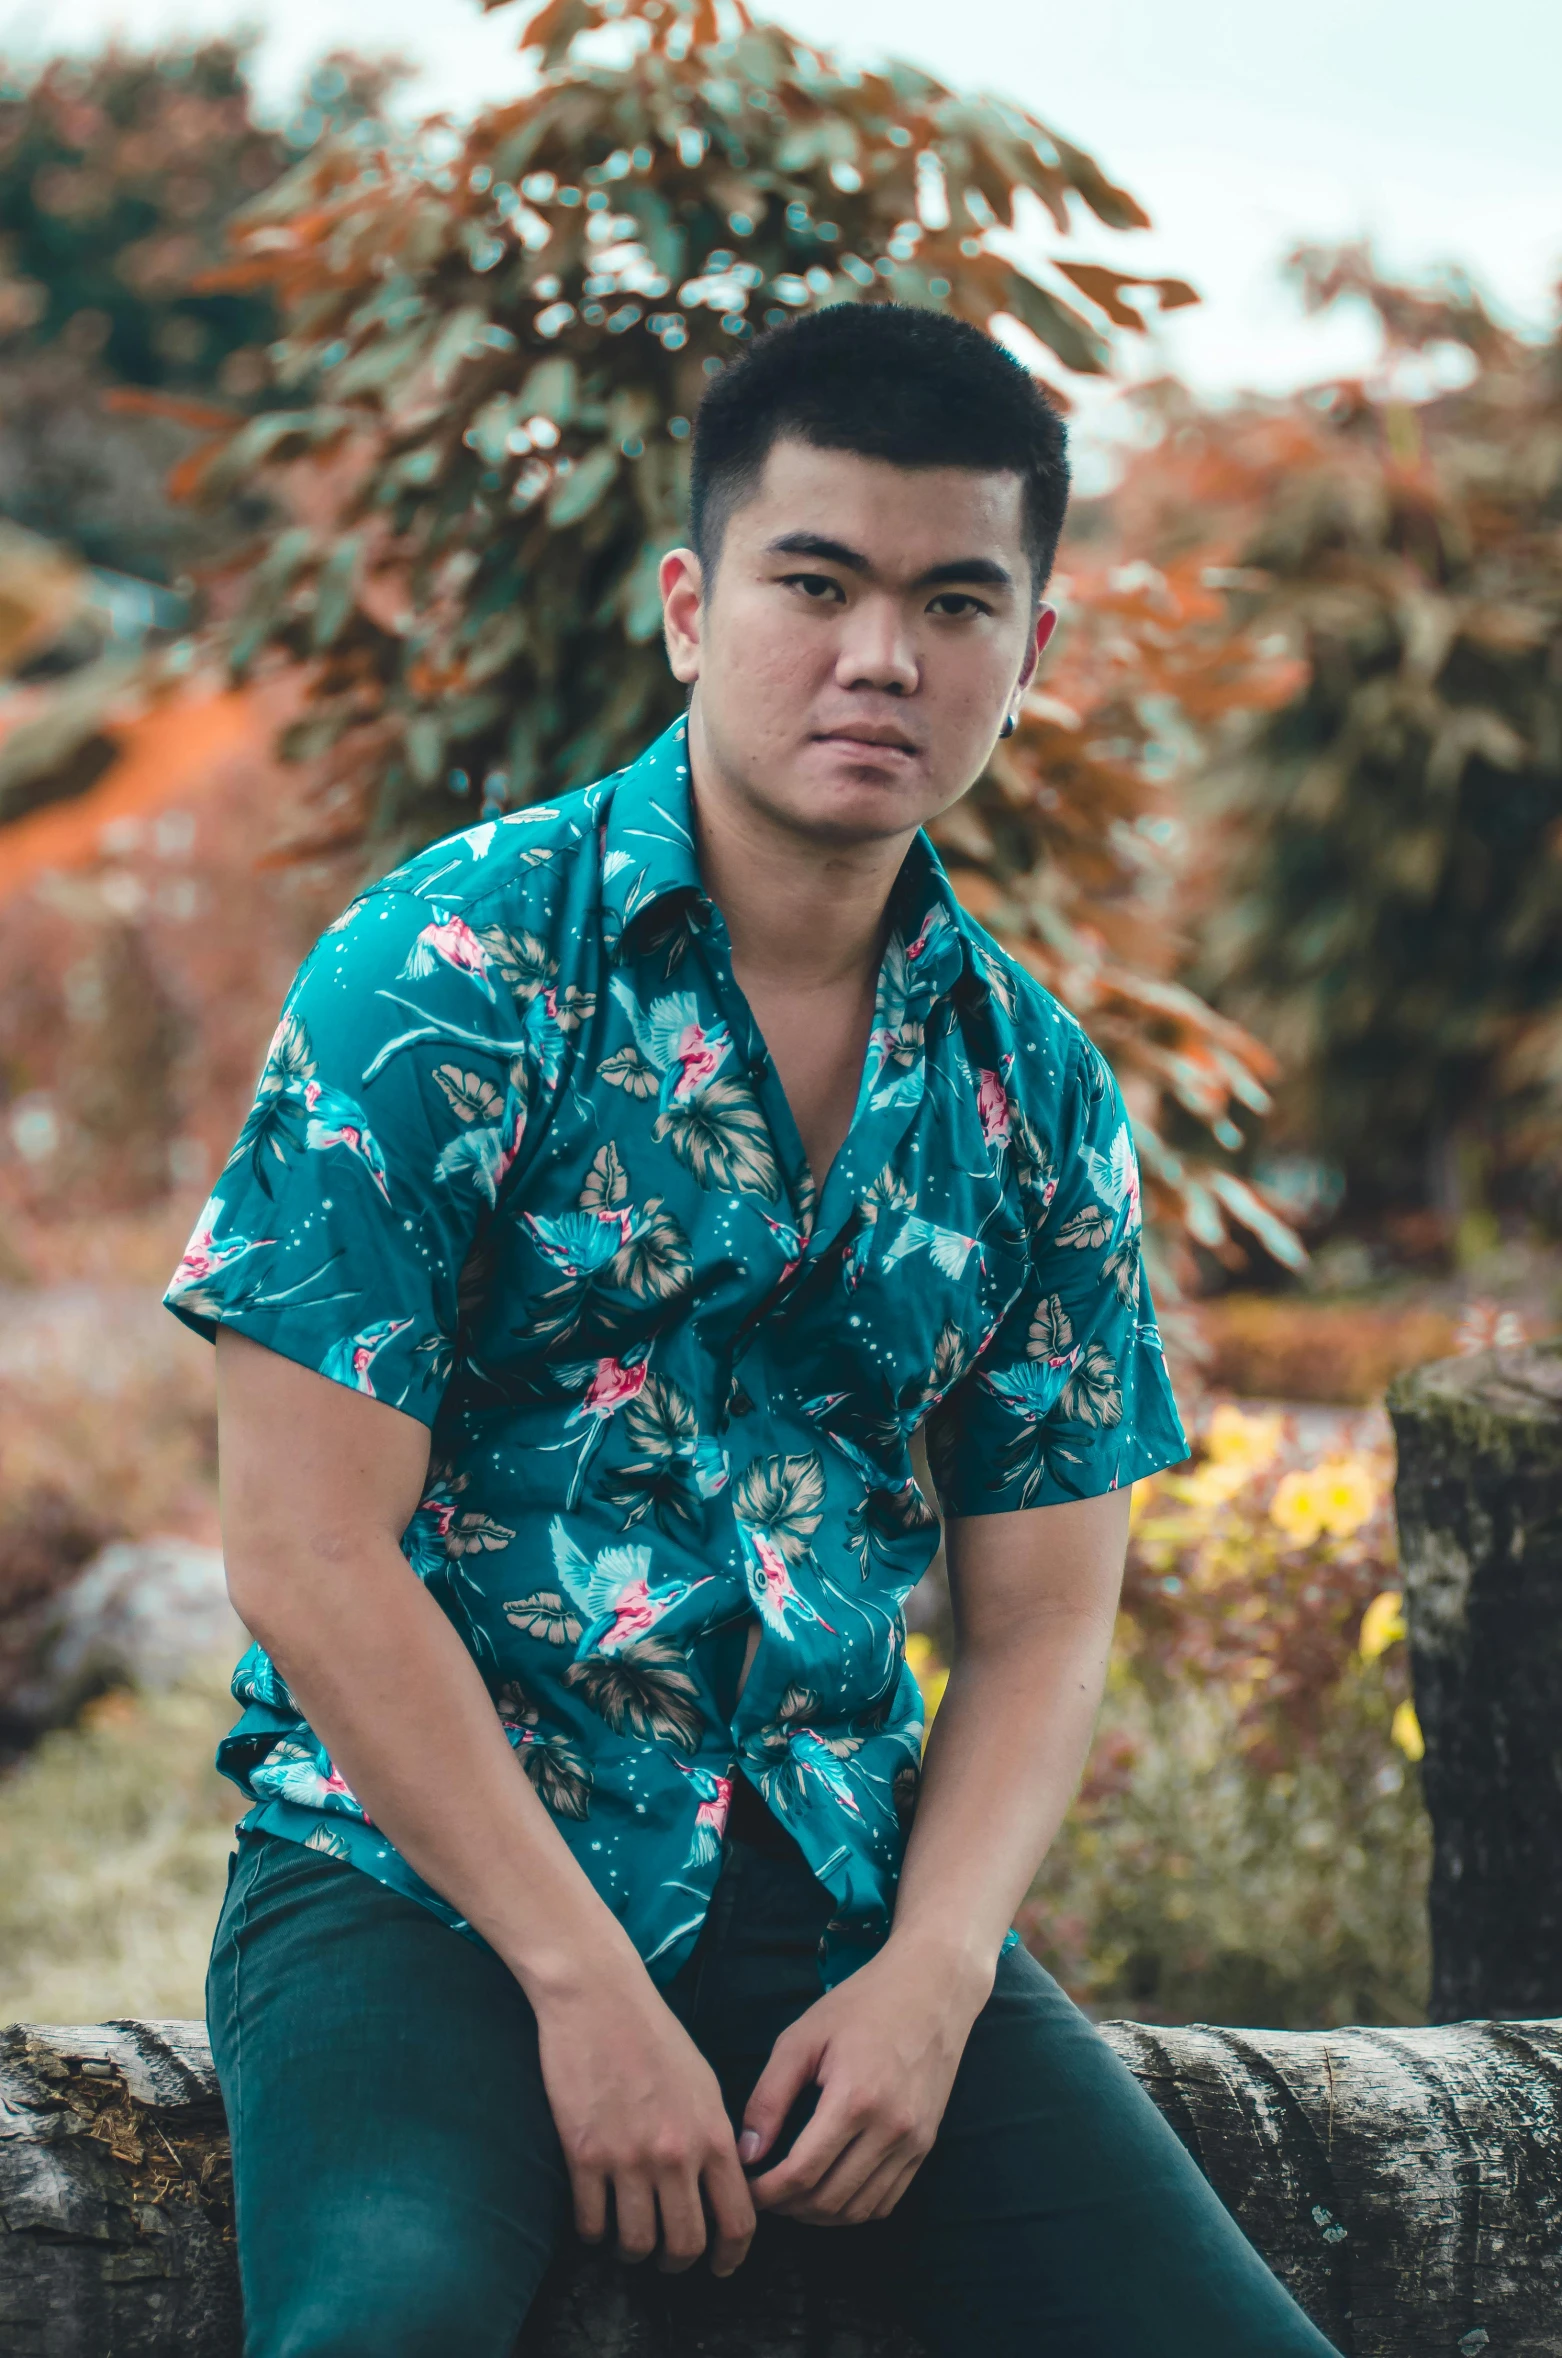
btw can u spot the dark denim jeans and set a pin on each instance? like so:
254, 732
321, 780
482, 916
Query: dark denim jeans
401, 2188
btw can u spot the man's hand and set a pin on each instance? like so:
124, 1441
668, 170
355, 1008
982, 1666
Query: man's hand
883, 2049
640, 2114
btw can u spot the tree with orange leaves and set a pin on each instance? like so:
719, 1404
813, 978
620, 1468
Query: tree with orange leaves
495, 349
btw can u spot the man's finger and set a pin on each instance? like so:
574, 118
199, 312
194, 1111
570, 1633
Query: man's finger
866, 2157
682, 2216
880, 2190
887, 2202
590, 2191
785, 2076
635, 2208
731, 2210
820, 2143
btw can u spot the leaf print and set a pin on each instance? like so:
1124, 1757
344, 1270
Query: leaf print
784, 1497
522, 960
1093, 1394
515, 1706
663, 1476
572, 1007
627, 1069
328, 1840
561, 1774
1122, 1271
656, 1263
471, 1098
644, 1690
951, 1355
903, 1793
1051, 1331
722, 1137
544, 1616
290, 1059
606, 1184
1088, 1228
1033, 1167
477, 1535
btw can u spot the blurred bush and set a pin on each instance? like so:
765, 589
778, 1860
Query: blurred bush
113, 1841
1249, 1843
118, 173
1291, 1347
1376, 888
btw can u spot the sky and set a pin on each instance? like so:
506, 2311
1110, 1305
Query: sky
1241, 127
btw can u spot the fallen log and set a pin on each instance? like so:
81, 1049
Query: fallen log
1479, 1498
1406, 2185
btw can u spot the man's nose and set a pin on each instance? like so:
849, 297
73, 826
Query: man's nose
877, 650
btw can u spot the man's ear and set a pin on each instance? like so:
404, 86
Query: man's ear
683, 591
1046, 624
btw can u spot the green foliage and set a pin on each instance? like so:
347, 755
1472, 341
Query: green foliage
1187, 1887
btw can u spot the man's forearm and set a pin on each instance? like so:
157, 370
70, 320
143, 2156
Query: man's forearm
387, 1685
1002, 1764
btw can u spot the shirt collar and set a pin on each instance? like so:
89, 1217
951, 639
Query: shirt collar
649, 860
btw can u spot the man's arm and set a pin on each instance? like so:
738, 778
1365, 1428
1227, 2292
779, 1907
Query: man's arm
1035, 1595
318, 1484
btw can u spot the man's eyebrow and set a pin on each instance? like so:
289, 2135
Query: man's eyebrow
815, 544
984, 570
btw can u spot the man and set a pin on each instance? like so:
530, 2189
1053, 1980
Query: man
629, 1181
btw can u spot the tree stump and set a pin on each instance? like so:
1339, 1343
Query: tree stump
1480, 1526
1406, 2185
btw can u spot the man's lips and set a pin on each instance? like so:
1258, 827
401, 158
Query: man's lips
866, 738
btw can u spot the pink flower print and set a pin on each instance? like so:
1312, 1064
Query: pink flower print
992, 1103
450, 941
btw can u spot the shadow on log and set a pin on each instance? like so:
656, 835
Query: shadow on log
1479, 1497
1406, 2185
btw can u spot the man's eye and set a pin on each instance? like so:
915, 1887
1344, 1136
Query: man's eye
958, 603
817, 586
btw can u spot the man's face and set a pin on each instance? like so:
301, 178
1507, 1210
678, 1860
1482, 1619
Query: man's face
868, 629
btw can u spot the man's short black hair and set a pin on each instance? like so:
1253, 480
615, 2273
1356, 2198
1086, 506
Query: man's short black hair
917, 388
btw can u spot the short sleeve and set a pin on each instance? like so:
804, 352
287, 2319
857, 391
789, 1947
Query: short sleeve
389, 1113
1070, 1397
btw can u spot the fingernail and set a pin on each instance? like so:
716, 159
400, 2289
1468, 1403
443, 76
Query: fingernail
748, 2145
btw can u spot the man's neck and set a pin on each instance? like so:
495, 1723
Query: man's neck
801, 915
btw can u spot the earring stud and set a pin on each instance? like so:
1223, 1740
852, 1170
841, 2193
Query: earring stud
1010, 725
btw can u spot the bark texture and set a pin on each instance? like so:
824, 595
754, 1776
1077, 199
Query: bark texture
1406, 2185
1480, 1526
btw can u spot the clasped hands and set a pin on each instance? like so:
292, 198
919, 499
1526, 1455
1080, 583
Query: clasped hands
640, 2113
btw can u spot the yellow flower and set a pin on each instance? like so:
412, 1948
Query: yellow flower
1405, 1729
1214, 1483
1232, 1438
929, 1673
1337, 1496
1382, 1625
1295, 1509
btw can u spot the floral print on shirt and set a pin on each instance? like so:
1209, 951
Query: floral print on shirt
520, 1166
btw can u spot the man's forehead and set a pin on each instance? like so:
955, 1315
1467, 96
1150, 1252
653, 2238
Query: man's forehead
899, 517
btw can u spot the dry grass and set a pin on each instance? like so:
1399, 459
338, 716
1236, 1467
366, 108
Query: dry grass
114, 1836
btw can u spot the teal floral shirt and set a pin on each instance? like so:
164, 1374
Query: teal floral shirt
520, 1165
